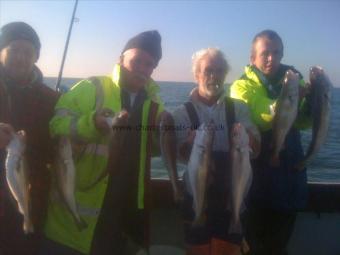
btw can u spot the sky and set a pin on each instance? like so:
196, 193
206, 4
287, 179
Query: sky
310, 31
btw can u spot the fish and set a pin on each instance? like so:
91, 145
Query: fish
116, 137
66, 180
17, 176
168, 147
241, 175
320, 96
285, 113
199, 166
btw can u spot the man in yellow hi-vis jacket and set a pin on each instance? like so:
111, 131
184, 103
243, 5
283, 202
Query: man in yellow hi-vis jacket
277, 191
114, 208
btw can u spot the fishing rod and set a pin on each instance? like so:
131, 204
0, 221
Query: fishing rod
66, 46
0, 12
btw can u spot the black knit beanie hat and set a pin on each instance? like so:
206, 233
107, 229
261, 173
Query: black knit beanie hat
149, 41
16, 31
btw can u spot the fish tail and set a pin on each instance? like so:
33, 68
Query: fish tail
199, 221
245, 246
235, 227
28, 225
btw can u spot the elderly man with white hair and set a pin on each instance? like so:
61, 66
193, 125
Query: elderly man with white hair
208, 104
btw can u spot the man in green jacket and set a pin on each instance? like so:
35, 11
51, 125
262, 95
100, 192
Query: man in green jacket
277, 192
114, 207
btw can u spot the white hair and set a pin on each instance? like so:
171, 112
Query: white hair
212, 52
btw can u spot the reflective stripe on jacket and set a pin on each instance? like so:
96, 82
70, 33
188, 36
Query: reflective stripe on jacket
74, 117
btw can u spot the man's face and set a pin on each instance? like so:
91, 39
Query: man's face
138, 66
267, 55
210, 76
18, 59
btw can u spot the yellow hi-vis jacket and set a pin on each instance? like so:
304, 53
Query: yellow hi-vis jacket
74, 118
250, 89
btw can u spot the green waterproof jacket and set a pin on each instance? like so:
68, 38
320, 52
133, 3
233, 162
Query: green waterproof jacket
252, 90
279, 188
74, 118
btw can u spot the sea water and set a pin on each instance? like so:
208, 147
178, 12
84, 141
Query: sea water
325, 166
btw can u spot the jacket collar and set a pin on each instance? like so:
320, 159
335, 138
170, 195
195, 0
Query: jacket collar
36, 78
259, 79
151, 88
254, 74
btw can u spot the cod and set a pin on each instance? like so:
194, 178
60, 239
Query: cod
241, 175
116, 136
168, 147
17, 177
320, 96
199, 167
285, 114
66, 180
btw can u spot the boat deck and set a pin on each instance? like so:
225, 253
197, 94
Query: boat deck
317, 229
314, 234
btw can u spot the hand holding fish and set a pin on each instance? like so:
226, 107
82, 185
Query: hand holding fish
240, 137
191, 137
100, 120
117, 134
117, 120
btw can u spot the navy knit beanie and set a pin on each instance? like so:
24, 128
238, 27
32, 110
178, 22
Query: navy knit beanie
149, 41
19, 31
